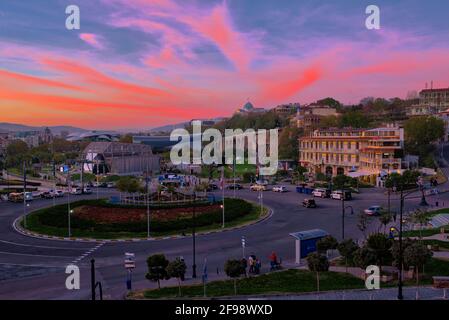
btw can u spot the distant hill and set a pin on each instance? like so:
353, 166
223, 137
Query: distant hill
13, 127
170, 127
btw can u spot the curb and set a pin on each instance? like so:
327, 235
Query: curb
16, 226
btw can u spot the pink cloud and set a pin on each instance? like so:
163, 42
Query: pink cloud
92, 39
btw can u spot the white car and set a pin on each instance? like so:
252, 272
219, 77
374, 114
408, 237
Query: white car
59, 193
258, 187
340, 195
76, 191
87, 190
373, 211
110, 185
279, 189
321, 193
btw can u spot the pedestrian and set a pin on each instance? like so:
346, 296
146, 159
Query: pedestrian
251, 262
273, 260
258, 266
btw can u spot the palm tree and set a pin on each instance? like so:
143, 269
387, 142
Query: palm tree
385, 218
420, 217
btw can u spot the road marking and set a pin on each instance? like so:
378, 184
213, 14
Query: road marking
30, 265
42, 247
88, 252
32, 255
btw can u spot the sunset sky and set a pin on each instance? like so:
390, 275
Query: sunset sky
146, 63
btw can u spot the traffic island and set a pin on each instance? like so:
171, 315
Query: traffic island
286, 282
101, 220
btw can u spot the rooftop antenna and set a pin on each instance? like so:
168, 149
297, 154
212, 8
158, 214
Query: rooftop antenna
431, 84
426, 85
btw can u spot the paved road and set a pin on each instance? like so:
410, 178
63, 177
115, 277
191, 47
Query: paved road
34, 268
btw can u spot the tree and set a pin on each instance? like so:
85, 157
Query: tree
420, 217
363, 222
331, 102
420, 134
288, 143
417, 255
128, 185
341, 181
354, 119
380, 245
364, 257
317, 263
385, 218
347, 249
177, 269
17, 152
157, 268
326, 243
127, 138
234, 269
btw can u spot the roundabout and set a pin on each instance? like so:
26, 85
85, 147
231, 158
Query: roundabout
99, 220
34, 267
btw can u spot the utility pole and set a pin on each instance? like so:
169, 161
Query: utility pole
193, 235
400, 295
223, 196
54, 182
148, 203
343, 216
24, 194
68, 201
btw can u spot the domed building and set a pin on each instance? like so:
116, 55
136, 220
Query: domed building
249, 108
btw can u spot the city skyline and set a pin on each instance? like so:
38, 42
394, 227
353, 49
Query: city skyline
141, 64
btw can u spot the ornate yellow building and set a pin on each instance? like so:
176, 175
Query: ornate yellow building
359, 151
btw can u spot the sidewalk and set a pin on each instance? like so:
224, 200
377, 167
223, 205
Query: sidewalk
409, 293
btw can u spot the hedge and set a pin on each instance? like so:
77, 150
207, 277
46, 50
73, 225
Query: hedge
57, 217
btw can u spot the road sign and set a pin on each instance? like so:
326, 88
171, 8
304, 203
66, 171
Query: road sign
129, 260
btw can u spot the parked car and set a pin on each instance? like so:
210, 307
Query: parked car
234, 186
373, 211
309, 203
59, 193
110, 185
76, 191
258, 187
87, 190
279, 189
212, 187
15, 197
29, 196
321, 193
340, 195
48, 194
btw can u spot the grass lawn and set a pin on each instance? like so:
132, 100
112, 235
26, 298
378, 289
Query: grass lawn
239, 170
34, 224
289, 281
425, 232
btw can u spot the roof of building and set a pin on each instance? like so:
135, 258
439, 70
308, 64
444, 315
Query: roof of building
248, 106
434, 90
116, 147
309, 234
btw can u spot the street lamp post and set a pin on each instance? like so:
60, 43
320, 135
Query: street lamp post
401, 253
193, 236
343, 209
24, 195
401, 210
68, 201
148, 205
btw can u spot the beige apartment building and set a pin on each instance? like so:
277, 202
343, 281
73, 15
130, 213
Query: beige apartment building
355, 152
431, 101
